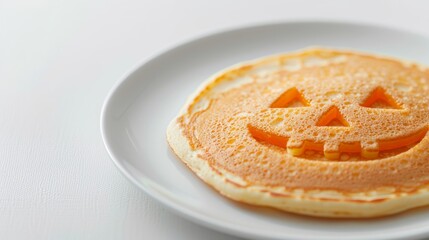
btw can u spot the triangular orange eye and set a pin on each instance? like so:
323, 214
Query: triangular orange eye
332, 118
380, 99
290, 98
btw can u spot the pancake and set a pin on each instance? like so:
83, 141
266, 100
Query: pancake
319, 132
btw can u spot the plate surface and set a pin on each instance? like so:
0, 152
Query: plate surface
138, 109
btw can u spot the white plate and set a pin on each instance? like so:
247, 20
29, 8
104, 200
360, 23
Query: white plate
139, 108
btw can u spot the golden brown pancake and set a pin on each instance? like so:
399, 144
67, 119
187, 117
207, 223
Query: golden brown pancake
318, 132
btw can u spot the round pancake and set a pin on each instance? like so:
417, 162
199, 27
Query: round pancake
318, 132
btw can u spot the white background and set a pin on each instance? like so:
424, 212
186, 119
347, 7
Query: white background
59, 59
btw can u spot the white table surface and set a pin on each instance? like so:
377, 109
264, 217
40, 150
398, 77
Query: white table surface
59, 59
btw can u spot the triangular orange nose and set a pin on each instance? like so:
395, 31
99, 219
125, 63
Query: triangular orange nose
332, 117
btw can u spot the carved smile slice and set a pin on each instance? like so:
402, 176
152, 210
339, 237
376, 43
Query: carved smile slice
331, 150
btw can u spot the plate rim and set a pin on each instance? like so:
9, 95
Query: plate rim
186, 212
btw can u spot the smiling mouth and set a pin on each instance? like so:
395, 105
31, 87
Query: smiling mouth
331, 150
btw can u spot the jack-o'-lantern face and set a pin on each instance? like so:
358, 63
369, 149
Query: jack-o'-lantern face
348, 114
